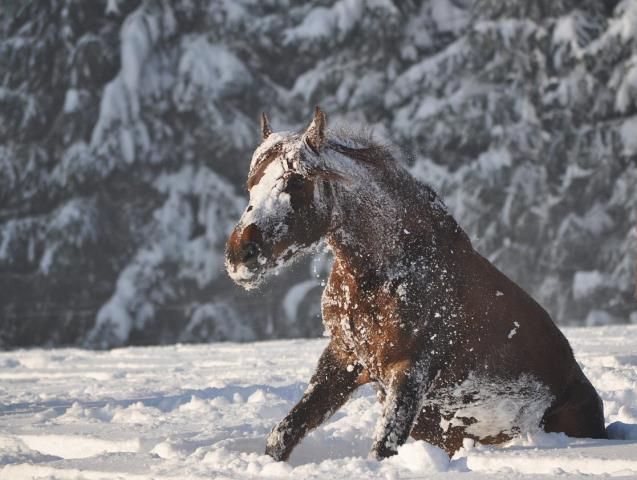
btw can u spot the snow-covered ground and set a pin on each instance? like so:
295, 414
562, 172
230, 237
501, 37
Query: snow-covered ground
195, 412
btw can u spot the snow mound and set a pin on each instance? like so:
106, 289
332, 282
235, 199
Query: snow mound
421, 457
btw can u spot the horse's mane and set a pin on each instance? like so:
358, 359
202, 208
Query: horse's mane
361, 145
390, 163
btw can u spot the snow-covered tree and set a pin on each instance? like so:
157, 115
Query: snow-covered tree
126, 128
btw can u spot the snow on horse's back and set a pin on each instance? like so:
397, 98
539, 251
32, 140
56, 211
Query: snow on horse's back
455, 348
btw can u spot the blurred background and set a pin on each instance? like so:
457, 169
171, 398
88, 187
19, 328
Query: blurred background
127, 127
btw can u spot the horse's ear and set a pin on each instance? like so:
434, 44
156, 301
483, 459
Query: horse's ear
265, 127
315, 133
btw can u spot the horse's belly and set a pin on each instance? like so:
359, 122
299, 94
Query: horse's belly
486, 407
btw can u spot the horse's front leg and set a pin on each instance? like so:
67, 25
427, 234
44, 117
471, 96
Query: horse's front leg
405, 391
330, 387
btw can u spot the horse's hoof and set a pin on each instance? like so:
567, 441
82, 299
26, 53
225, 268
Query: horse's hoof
380, 452
274, 448
273, 454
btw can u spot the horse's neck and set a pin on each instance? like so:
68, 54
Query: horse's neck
374, 224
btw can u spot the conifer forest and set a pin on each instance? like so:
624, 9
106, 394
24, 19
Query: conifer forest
127, 127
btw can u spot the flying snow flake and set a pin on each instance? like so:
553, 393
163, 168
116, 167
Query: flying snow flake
514, 330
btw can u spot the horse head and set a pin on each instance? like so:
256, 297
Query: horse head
288, 211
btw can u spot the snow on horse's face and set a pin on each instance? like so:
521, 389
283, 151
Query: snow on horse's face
287, 213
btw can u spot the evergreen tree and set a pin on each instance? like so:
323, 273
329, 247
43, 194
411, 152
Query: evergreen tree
126, 129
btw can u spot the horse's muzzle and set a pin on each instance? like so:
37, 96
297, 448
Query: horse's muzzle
249, 254
245, 255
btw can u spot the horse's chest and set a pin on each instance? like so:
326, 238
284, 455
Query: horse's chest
368, 323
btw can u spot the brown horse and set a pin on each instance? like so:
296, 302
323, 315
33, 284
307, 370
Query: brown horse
455, 347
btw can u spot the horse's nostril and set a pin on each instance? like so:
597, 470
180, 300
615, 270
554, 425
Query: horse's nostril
250, 254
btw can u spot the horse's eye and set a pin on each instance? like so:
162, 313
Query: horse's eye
295, 182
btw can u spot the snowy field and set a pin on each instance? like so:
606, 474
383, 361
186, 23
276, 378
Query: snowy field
203, 412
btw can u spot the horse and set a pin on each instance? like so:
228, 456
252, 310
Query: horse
454, 347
